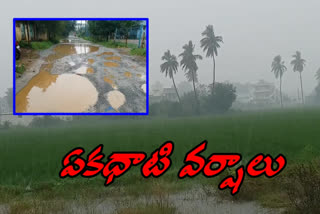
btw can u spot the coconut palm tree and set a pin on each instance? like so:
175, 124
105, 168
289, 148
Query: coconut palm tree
170, 67
210, 44
318, 75
189, 65
278, 68
298, 64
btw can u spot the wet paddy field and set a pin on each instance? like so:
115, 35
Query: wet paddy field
77, 76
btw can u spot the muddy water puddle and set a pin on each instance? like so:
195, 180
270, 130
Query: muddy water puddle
108, 79
90, 61
63, 50
56, 93
111, 64
116, 58
105, 53
127, 74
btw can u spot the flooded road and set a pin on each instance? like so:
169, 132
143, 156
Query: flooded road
78, 76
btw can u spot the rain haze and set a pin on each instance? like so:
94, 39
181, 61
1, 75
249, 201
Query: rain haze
253, 33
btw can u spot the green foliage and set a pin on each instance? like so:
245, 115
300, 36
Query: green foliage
221, 99
210, 43
55, 29
24, 44
278, 67
138, 51
20, 68
102, 30
41, 45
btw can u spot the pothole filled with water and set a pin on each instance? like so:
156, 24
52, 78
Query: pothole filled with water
57, 93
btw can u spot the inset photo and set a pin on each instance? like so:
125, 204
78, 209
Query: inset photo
80, 66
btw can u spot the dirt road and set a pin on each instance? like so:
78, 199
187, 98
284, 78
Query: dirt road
78, 76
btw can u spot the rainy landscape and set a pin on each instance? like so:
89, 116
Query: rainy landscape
245, 77
92, 77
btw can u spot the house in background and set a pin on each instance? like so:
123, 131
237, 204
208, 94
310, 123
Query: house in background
263, 93
29, 31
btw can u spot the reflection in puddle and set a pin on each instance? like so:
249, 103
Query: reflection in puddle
105, 53
117, 58
90, 61
128, 74
116, 99
111, 64
84, 48
63, 50
56, 93
110, 81
143, 87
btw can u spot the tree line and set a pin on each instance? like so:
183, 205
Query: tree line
210, 43
298, 64
106, 29
54, 29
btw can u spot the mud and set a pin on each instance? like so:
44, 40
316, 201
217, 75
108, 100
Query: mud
105, 53
43, 94
90, 70
110, 81
116, 58
128, 74
90, 61
111, 64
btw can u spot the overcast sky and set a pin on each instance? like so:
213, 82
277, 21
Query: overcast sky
253, 32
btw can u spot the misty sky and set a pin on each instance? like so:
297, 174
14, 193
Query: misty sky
253, 32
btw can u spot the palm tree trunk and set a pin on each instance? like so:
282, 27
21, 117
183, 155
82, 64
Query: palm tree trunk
281, 92
301, 88
195, 93
174, 84
214, 72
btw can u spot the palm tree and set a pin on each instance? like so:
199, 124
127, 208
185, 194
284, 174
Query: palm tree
298, 64
210, 44
190, 66
278, 68
170, 67
318, 75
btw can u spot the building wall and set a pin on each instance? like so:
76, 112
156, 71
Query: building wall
22, 34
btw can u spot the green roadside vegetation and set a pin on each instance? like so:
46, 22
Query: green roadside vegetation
20, 69
38, 45
32, 175
112, 44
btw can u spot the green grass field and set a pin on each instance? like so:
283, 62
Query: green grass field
32, 157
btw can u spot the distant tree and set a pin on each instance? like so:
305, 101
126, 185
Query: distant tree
170, 68
221, 98
318, 75
126, 27
210, 44
189, 65
298, 64
278, 68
